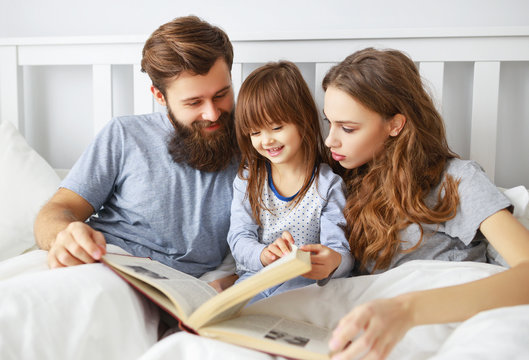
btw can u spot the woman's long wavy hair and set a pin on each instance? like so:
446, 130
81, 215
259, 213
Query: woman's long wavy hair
272, 94
388, 193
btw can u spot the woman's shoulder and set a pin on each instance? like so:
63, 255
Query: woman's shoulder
458, 168
474, 182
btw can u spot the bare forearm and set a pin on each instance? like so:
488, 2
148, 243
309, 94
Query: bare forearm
460, 302
51, 219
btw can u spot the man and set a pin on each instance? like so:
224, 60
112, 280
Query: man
157, 185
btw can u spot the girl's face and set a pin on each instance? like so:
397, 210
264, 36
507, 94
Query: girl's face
279, 143
356, 133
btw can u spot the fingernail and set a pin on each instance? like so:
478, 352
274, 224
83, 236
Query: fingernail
333, 344
96, 254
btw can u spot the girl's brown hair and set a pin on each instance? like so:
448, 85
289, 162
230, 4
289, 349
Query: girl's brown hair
388, 193
273, 94
184, 44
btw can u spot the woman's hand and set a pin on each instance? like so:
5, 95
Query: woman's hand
324, 261
371, 331
277, 249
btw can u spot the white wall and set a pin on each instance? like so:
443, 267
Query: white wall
138, 17
55, 103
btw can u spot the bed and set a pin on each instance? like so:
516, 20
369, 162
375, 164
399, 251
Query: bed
98, 324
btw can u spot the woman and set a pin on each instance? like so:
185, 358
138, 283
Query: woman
410, 197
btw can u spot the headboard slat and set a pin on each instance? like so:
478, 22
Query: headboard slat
102, 95
143, 99
433, 78
9, 85
236, 77
485, 115
320, 69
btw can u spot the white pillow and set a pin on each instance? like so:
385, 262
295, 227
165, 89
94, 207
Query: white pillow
27, 181
519, 197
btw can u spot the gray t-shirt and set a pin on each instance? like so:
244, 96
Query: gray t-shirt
149, 205
458, 239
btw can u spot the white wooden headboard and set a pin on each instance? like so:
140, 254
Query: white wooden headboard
445, 58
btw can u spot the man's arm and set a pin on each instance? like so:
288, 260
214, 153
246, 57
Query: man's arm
60, 229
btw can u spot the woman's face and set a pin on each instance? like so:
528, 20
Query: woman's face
356, 133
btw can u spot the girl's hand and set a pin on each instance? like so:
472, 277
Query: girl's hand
277, 249
371, 330
324, 261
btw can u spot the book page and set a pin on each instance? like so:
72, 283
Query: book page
273, 334
185, 291
295, 263
284, 259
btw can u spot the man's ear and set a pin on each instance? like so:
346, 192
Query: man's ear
158, 96
396, 124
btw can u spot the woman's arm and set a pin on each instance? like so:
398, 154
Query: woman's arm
384, 322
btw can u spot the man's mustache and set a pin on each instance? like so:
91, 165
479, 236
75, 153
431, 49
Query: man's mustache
201, 124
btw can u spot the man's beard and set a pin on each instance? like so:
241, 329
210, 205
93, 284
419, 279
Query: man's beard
201, 150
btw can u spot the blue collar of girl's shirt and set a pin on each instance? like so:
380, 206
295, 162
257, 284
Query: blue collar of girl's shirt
274, 190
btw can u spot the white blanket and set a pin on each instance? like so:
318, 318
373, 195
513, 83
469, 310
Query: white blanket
495, 334
93, 314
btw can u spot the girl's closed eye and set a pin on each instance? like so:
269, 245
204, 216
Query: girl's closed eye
255, 133
276, 128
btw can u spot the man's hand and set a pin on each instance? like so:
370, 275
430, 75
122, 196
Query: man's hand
324, 261
75, 245
280, 247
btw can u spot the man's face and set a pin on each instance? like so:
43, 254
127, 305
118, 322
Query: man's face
200, 99
201, 110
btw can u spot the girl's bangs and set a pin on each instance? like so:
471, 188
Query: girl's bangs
262, 111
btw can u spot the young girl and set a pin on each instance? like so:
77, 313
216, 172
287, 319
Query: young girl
410, 197
285, 193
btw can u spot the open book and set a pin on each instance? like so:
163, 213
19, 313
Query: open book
201, 310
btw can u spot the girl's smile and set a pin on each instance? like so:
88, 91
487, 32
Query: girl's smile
279, 143
275, 151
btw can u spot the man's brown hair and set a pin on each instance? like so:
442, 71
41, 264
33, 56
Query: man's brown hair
184, 44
